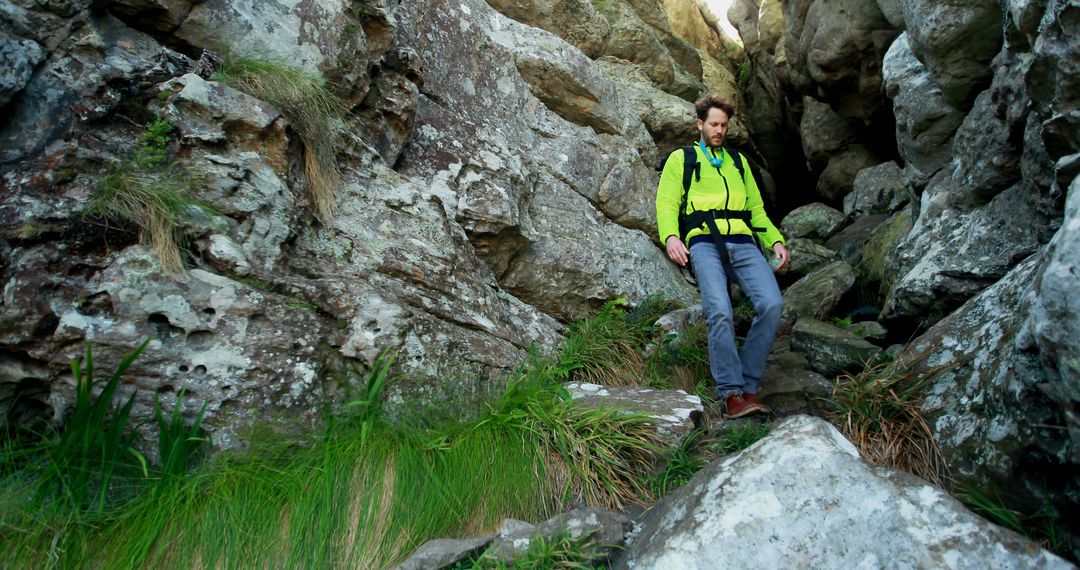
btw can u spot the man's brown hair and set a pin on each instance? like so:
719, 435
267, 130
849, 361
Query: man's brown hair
714, 100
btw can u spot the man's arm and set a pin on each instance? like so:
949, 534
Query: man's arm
669, 197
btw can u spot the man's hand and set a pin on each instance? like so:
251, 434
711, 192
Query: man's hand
677, 252
781, 253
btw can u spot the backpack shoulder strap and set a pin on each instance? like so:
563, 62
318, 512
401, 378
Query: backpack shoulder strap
691, 166
738, 160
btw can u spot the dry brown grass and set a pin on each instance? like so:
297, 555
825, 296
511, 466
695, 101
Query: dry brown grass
152, 201
313, 110
878, 411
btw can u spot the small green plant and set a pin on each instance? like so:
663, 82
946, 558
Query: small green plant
682, 361
1041, 526
745, 75
740, 436
311, 107
878, 411
684, 462
561, 551
606, 349
177, 443
842, 322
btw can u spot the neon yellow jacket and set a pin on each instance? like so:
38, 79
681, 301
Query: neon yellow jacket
711, 193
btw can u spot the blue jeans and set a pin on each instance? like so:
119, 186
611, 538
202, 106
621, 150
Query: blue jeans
737, 373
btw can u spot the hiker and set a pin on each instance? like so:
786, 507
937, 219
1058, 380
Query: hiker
708, 209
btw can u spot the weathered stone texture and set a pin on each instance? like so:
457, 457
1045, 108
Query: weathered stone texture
834, 517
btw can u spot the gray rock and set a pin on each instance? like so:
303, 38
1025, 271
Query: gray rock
806, 257
1051, 314
870, 330
677, 321
605, 528
824, 133
834, 49
879, 189
849, 242
956, 41
443, 552
1052, 79
18, 58
986, 157
874, 254
952, 253
818, 293
83, 79
830, 349
576, 21
813, 221
893, 12
789, 386
246, 353
983, 401
803, 497
925, 122
838, 178
676, 412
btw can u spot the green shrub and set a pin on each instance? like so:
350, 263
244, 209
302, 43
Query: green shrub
682, 361
739, 437
313, 110
94, 443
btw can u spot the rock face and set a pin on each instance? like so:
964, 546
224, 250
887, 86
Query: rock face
834, 518
925, 121
464, 201
831, 350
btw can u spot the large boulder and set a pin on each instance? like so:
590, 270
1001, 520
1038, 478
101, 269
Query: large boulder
818, 293
1051, 317
831, 350
956, 41
18, 58
953, 251
834, 49
815, 221
806, 256
995, 413
789, 386
879, 189
802, 497
925, 121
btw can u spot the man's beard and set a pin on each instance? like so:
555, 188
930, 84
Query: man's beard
710, 144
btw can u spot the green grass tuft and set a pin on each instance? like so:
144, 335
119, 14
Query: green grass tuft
606, 349
314, 111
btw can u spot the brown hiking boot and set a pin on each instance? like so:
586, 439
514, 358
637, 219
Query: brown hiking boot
737, 406
753, 401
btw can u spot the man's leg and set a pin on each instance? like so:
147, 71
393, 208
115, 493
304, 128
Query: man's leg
716, 304
755, 278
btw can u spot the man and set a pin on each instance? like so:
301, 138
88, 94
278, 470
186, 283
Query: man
722, 210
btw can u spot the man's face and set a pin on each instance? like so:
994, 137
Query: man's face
714, 127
